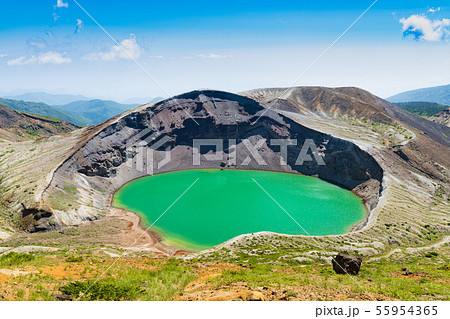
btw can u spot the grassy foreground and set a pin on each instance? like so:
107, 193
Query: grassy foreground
47, 276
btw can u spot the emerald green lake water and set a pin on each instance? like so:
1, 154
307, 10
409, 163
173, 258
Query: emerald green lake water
223, 204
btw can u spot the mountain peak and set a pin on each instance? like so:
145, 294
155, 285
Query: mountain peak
219, 104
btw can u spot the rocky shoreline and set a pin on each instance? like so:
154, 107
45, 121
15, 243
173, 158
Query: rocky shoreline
167, 249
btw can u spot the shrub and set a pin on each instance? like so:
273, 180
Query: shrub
162, 284
14, 258
74, 259
101, 290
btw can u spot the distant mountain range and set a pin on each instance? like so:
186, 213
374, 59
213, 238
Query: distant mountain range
96, 111
62, 99
436, 94
46, 110
77, 109
47, 98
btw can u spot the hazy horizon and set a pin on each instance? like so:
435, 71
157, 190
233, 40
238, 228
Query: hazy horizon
53, 46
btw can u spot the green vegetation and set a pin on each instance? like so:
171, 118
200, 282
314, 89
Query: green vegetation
96, 111
33, 134
423, 277
437, 94
161, 284
426, 109
63, 199
14, 259
45, 110
102, 290
74, 259
381, 278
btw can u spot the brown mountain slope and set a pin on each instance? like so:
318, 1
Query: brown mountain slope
74, 176
320, 100
427, 152
442, 118
102, 161
18, 126
347, 102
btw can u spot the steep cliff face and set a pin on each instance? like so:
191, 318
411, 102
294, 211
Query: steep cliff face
164, 137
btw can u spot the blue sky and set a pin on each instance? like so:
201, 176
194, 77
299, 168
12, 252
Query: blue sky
231, 45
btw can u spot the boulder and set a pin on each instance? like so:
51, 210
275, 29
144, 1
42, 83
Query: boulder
407, 272
346, 264
63, 297
255, 296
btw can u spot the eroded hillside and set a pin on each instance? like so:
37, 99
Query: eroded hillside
89, 164
19, 126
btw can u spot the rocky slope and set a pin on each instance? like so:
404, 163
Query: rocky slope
424, 145
80, 188
16, 125
322, 101
69, 179
442, 118
347, 102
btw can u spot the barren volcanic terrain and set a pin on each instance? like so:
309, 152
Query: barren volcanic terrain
397, 162
443, 117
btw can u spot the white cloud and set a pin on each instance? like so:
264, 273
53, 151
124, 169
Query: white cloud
129, 45
157, 57
42, 58
53, 57
214, 56
433, 10
55, 16
79, 26
422, 28
61, 4
3, 55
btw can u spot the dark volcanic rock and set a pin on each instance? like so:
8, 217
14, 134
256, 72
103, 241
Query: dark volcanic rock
224, 116
63, 297
102, 164
442, 118
346, 264
37, 217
